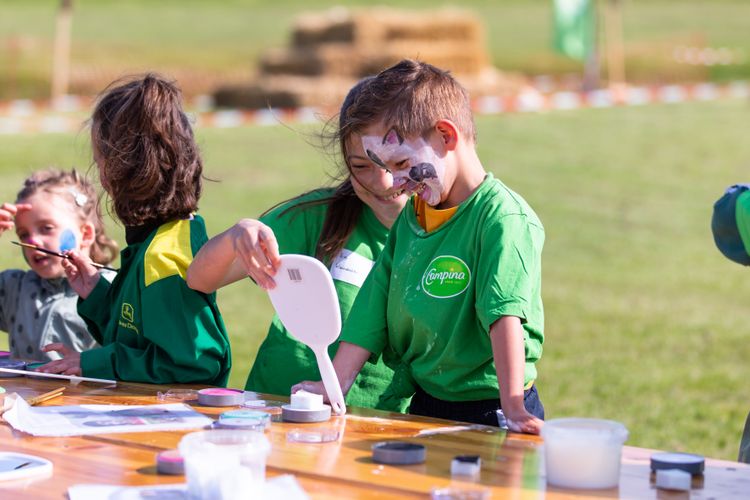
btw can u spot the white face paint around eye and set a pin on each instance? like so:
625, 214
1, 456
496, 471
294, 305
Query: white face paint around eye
414, 165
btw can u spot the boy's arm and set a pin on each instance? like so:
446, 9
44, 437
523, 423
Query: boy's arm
185, 341
348, 362
508, 351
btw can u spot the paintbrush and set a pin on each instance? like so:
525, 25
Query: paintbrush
58, 254
45, 397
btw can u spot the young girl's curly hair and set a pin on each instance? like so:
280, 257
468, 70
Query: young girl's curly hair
83, 199
143, 144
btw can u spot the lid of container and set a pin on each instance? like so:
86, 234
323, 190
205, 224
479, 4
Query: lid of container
688, 462
398, 453
585, 428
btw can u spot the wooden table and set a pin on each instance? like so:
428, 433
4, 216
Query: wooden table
343, 469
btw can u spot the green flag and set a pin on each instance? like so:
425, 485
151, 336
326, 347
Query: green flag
574, 27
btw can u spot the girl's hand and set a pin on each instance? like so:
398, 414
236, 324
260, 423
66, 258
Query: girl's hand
69, 365
82, 276
257, 250
8, 213
314, 387
520, 420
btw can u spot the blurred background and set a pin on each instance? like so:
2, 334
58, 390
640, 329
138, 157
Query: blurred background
621, 122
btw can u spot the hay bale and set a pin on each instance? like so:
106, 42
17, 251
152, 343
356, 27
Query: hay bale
332, 50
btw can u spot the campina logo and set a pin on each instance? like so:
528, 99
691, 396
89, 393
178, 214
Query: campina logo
445, 277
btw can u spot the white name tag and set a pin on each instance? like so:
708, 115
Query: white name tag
351, 267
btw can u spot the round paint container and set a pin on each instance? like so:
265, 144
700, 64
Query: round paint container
217, 396
239, 424
259, 419
266, 405
398, 453
312, 436
12, 364
170, 462
687, 462
179, 395
305, 407
304, 416
466, 465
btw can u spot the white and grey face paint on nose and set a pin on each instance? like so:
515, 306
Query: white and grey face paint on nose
414, 165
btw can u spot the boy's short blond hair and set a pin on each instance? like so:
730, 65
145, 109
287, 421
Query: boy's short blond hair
412, 96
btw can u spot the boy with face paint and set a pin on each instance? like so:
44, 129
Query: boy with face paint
455, 296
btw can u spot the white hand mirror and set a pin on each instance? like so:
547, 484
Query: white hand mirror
306, 302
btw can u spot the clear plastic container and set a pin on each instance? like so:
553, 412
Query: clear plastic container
221, 463
583, 453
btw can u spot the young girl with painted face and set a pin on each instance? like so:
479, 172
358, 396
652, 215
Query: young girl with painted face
57, 211
151, 326
345, 227
456, 292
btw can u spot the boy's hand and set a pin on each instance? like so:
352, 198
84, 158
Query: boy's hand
520, 420
256, 249
314, 387
8, 212
82, 276
69, 365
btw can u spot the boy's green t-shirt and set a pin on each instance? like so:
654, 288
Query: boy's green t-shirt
432, 297
282, 361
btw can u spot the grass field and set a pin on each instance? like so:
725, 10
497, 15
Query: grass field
646, 322
210, 40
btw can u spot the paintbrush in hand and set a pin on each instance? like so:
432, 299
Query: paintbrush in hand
58, 254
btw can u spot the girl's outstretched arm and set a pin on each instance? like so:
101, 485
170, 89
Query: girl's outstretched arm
349, 360
248, 248
506, 335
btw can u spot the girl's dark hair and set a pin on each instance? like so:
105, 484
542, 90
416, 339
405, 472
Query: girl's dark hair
143, 144
82, 197
344, 206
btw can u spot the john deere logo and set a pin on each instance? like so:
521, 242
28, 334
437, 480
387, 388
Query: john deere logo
127, 312
445, 277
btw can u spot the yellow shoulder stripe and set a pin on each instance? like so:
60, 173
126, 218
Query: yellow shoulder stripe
169, 253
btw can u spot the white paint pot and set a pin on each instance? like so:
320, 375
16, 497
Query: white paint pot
583, 453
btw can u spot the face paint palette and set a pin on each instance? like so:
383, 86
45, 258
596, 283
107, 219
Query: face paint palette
244, 420
217, 396
12, 364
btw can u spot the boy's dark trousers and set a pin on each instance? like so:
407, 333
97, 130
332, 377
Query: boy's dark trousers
477, 412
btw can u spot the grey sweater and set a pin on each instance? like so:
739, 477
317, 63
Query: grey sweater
37, 311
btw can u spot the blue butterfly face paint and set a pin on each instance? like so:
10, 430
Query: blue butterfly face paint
68, 241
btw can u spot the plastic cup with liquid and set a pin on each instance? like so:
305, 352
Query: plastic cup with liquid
583, 453
220, 464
